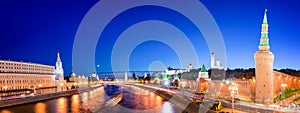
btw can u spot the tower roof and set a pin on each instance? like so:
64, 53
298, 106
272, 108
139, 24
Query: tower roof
72, 74
203, 68
58, 57
265, 21
264, 39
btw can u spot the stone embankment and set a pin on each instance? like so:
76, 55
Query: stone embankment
41, 97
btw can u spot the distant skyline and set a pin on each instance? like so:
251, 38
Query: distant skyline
34, 31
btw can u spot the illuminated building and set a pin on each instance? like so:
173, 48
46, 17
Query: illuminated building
215, 64
59, 71
77, 80
59, 74
264, 60
23, 78
267, 84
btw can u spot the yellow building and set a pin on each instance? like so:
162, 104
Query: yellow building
23, 78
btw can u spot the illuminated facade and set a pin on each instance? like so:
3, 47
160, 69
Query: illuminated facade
264, 60
23, 78
77, 80
59, 71
267, 83
247, 87
215, 64
59, 74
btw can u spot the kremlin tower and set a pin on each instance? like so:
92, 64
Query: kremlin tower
264, 60
59, 71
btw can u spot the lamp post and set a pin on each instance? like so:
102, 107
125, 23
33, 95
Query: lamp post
220, 90
283, 85
234, 90
75, 85
61, 86
40, 85
5, 88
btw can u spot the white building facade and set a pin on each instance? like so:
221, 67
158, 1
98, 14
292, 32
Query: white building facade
23, 78
59, 71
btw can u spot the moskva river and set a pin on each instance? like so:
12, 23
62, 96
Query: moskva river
101, 100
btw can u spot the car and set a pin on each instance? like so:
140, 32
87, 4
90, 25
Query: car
216, 106
197, 101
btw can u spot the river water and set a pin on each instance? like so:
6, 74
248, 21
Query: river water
135, 100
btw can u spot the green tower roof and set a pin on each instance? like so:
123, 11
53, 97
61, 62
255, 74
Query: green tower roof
265, 17
264, 39
72, 74
203, 69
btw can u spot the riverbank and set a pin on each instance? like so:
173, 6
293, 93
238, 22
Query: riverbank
41, 97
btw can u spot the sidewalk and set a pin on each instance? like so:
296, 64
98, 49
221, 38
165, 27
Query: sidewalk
227, 110
269, 108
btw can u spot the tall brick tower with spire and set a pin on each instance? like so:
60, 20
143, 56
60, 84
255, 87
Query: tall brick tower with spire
264, 60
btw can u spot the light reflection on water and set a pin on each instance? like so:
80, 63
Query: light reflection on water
167, 108
5, 111
134, 100
75, 103
40, 107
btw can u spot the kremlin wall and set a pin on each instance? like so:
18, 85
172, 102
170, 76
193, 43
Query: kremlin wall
267, 87
267, 83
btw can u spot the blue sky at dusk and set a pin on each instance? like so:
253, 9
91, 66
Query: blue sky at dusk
34, 30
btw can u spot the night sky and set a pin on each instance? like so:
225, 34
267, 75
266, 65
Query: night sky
35, 30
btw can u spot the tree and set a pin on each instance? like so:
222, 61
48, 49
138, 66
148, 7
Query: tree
170, 68
134, 76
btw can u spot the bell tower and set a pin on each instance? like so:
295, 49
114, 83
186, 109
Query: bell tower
264, 60
59, 71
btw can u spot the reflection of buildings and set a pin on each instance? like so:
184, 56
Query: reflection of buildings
22, 77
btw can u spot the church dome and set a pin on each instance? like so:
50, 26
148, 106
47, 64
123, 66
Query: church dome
72, 74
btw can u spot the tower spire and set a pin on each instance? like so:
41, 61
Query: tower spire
264, 39
58, 57
265, 17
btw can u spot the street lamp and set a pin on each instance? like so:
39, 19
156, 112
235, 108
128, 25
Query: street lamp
234, 90
61, 86
40, 85
220, 89
283, 85
75, 85
5, 88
